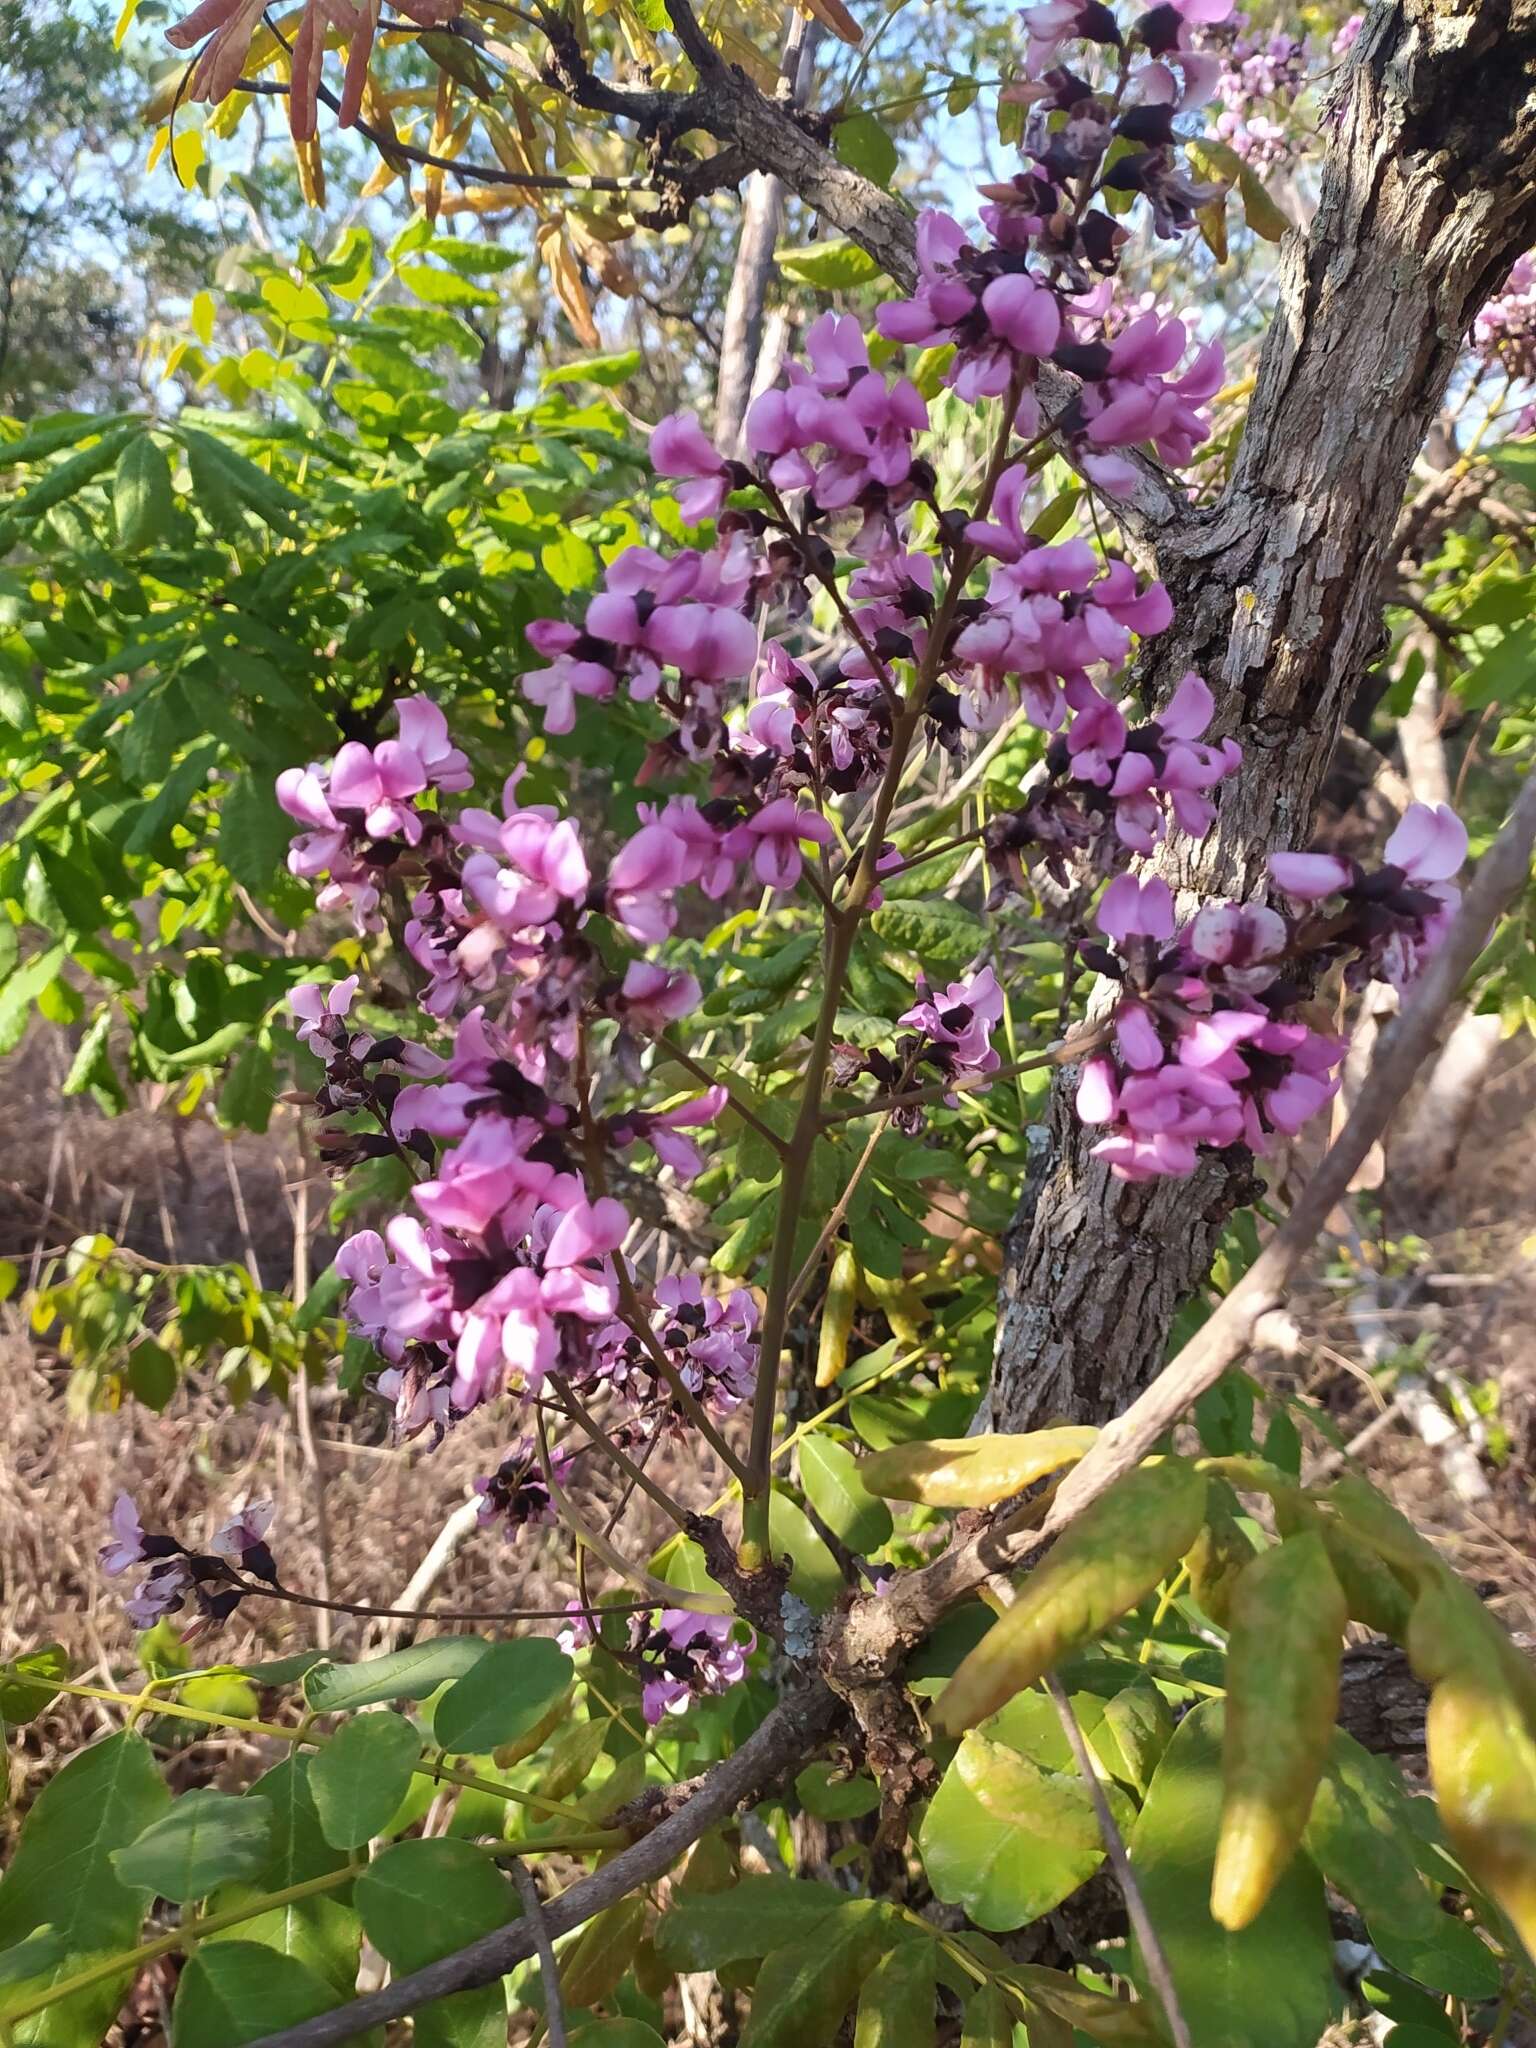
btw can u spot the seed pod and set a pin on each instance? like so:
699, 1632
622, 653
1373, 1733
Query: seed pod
1219, 1554
1288, 1616
1375, 1594
837, 1316
1107, 1560
1442, 1602
602, 1953
971, 1471
1482, 1757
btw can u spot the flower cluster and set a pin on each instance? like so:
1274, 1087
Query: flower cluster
1262, 75
1210, 1045
1111, 789
175, 1574
677, 1654
363, 811
516, 1494
1391, 921
710, 1341
1504, 332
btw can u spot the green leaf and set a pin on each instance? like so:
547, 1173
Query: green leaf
1261, 212
1503, 676
1517, 459
1007, 1839
943, 936
444, 287
208, 1838
1270, 1986
20, 990
254, 832
142, 501
707, 1930
830, 1475
320, 1931
813, 1571
803, 1991
69, 477
360, 1777
607, 371
234, 1991
62, 1874
1362, 1837
830, 1797
896, 2002
30, 1958
225, 482
502, 1696
570, 562
419, 1901
1451, 1958
615, 2034
20, 1703
835, 266
865, 144
408, 1674
249, 1094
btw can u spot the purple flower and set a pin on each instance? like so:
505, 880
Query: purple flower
687, 1655
516, 1494
127, 1545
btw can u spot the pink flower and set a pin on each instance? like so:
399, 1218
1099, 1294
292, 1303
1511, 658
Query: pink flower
681, 448
318, 1006
1310, 877
1429, 844
588, 1230
654, 996
775, 834
1131, 909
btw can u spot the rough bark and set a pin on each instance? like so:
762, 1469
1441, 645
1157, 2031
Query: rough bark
1428, 196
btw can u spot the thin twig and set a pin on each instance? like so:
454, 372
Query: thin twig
582, 1415
1152, 1951
549, 1969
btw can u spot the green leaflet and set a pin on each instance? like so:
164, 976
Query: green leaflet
830, 1475
207, 1839
706, 1930
321, 1932
62, 1873
1008, 1839
896, 1999
503, 1693
408, 1674
421, 1899
1269, 1986
359, 1778
234, 1991
803, 1991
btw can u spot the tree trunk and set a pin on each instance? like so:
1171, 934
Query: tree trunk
1428, 196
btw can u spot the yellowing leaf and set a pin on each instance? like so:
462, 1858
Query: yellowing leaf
972, 1471
1108, 1560
1288, 1616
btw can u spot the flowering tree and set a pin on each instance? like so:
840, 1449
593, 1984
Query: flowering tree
1124, 1646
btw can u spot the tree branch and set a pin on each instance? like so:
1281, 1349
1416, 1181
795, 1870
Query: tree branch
786, 1737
